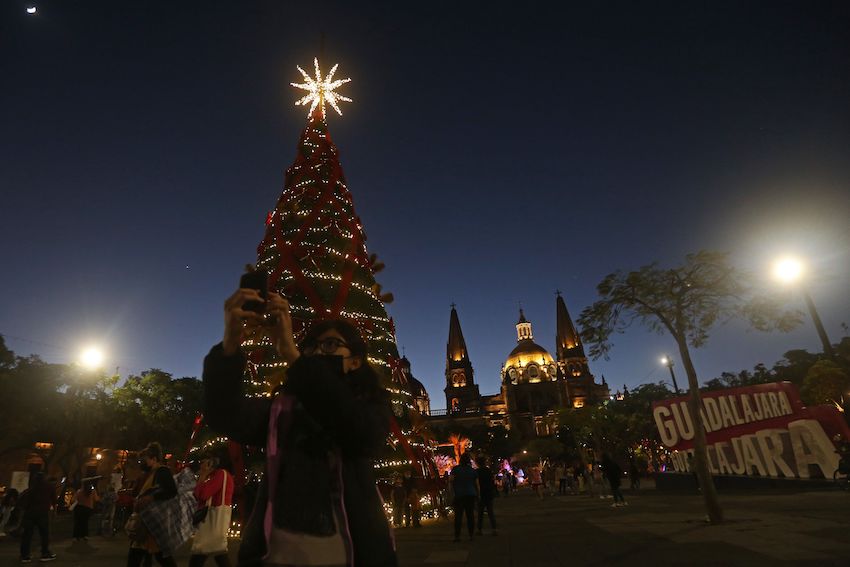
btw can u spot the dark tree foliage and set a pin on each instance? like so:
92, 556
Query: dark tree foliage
794, 367
76, 409
687, 302
154, 406
825, 383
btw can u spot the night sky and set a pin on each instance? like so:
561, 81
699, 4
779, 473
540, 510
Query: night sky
495, 152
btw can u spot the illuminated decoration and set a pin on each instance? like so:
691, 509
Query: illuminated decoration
321, 90
32, 10
314, 252
235, 530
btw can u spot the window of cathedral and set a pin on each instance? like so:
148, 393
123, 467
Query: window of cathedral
533, 373
553, 372
455, 404
513, 375
541, 427
578, 403
458, 379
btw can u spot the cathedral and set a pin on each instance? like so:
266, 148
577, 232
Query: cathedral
534, 385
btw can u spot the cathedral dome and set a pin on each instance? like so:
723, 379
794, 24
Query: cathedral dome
417, 388
528, 351
529, 362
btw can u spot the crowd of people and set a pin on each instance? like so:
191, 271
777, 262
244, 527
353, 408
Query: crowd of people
601, 478
317, 503
155, 509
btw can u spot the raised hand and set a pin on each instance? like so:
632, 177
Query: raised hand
234, 316
280, 329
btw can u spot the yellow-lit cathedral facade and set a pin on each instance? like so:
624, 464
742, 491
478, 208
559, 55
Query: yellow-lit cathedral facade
534, 384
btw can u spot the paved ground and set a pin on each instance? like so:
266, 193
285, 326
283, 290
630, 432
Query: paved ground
657, 528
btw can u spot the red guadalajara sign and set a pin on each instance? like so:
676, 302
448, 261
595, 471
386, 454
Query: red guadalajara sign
763, 429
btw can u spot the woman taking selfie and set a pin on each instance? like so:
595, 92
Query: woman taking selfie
318, 503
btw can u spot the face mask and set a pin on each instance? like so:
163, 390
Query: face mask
333, 361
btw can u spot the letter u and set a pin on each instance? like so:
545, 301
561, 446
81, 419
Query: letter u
683, 420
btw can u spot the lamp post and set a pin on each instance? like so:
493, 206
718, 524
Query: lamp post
790, 271
668, 362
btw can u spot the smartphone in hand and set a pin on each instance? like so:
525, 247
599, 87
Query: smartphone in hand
255, 280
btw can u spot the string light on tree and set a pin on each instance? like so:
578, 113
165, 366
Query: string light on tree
314, 253
320, 90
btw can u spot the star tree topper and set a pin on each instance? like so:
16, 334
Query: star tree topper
320, 90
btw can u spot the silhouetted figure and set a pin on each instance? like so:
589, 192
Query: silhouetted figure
465, 483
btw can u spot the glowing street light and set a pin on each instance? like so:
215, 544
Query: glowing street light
668, 362
790, 271
91, 358
32, 10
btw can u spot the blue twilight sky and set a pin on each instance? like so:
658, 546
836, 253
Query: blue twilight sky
495, 151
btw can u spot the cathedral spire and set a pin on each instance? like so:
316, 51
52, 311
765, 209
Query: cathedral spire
567, 340
523, 328
456, 347
462, 393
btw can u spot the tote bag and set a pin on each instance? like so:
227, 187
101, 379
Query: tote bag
211, 537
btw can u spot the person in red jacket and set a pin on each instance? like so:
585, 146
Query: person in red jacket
214, 488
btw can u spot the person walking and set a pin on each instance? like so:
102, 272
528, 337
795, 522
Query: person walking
159, 486
84, 501
107, 511
536, 481
562, 478
317, 503
398, 498
36, 503
598, 480
215, 492
486, 494
412, 511
465, 483
634, 475
7, 506
613, 474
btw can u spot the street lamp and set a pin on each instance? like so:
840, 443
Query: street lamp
91, 358
790, 271
668, 362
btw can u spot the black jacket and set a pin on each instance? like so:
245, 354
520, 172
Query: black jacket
328, 417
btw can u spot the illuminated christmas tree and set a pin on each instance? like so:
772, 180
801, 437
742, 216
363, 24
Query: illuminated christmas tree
314, 252
314, 248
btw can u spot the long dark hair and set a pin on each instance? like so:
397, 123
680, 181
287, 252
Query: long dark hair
364, 380
153, 451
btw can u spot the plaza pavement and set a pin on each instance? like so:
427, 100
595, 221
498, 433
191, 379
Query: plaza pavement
657, 528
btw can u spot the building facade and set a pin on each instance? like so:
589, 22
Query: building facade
535, 386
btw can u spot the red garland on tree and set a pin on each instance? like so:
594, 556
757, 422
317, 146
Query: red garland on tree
314, 251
